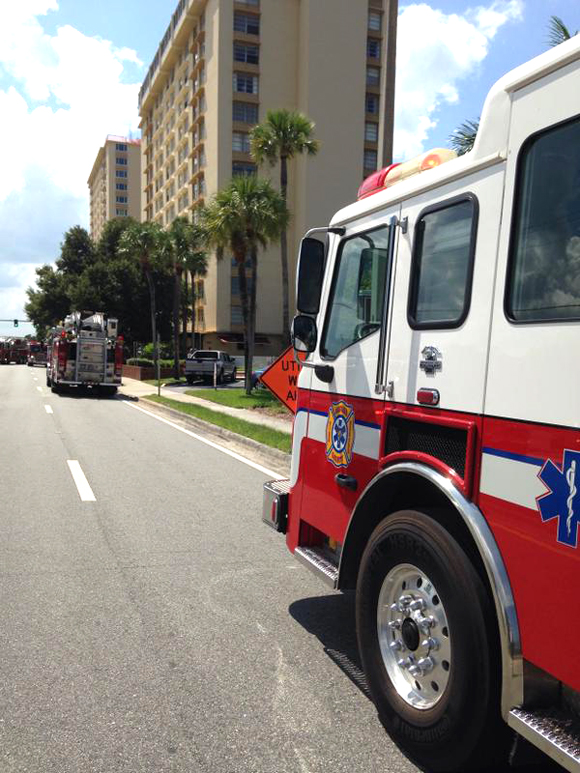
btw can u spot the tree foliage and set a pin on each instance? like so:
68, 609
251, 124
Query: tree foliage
241, 218
283, 135
463, 138
558, 32
100, 277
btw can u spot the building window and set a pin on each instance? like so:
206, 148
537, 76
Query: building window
121, 161
200, 290
236, 317
121, 186
120, 146
245, 112
121, 212
371, 132
122, 199
370, 160
200, 314
241, 142
245, 84
372, 104
375, 20
246, 53
373, 48
442, 265
243, 22
240, 168
373, 76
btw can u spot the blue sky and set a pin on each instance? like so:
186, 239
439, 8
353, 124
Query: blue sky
70, 71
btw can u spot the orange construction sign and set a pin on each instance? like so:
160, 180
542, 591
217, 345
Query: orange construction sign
281, 377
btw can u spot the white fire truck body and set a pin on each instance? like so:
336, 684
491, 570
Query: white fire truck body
85, 352
436, 445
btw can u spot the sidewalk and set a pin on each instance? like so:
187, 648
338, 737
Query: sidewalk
133, 388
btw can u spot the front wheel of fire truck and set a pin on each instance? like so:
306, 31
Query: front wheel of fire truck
428, 642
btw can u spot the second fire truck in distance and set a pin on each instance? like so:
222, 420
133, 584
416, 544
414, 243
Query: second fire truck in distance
436, 445
85, 351
35, 354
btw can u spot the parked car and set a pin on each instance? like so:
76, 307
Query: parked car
201, 363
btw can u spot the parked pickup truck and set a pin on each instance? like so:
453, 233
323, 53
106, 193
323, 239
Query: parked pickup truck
201, 364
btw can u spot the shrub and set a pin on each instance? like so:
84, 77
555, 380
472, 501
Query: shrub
142, 362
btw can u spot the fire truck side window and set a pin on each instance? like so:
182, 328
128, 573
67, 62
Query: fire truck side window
443, 265
544, 273
358, 290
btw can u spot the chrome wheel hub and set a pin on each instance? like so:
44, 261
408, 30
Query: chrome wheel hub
414, 636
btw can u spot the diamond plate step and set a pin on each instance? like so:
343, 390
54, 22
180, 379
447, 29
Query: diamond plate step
553, 731
315, 560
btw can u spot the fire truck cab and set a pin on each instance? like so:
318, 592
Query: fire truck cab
436, 444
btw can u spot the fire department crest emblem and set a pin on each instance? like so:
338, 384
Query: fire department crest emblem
563, 498
340, 434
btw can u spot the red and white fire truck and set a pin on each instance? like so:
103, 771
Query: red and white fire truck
85, 351
35, 354
13, 350
436, 445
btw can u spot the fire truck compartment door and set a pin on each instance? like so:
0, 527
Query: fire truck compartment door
530, 475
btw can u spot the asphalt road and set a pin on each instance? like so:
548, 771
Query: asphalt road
160, 627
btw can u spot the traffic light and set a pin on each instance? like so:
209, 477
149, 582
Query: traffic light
15, 323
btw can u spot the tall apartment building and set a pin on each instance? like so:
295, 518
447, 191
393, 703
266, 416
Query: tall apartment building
220, 66
115, 182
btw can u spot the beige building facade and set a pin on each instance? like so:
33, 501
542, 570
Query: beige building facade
220, 66
115, 182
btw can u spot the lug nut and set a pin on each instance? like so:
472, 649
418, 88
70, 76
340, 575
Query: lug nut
395, 625
418, 605
396, 645
425, 664
405, 600
430, 644
426, 623
415, 671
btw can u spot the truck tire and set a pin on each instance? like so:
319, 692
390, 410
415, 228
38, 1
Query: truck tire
429, 645
190, 380
107, 391
55, 388
234, 376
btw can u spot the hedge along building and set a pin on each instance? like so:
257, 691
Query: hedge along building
219, 67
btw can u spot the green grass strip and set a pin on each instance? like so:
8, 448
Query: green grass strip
265, 435
237, 398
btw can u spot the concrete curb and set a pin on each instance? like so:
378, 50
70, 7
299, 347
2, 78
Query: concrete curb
281, 459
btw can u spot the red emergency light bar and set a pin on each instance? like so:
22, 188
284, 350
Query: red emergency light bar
374, 182
394, 173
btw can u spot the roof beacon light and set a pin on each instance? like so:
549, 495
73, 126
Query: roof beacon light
395, 173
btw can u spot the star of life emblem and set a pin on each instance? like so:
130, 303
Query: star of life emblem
340, 434
563, 500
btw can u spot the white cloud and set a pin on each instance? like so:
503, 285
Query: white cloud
66, 92
436, 53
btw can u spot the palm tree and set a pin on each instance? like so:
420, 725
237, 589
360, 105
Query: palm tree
558, 32
244, 216
185, 245
283, 135
145, 242
463, 137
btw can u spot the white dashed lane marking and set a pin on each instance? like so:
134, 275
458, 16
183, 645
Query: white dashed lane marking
82, 484
48, 408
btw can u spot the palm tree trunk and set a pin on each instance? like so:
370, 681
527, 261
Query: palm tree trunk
184, 312
247, 322
151, 285
193, 311
284, 258
252, 337
176, 294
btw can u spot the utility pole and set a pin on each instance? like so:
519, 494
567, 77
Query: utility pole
388, 72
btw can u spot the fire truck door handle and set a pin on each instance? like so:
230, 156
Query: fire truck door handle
346, 481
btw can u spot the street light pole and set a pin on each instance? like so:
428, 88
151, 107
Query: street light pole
388, 72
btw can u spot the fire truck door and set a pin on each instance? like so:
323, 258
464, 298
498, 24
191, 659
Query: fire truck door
340, 453
530, 479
